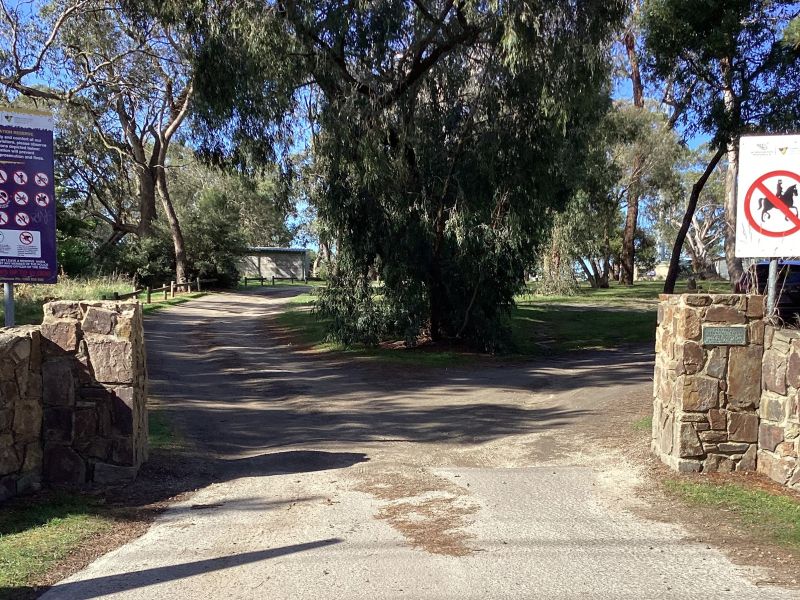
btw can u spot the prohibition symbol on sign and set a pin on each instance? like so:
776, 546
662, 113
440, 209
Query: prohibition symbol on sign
42, 199
20, 177
3, 176
3, 218
26, 237
41, 179
3, 198
22, 219
769, 204
21, 198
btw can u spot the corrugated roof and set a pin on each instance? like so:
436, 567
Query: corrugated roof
267, 250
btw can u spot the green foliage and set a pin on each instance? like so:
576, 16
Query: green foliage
732, 46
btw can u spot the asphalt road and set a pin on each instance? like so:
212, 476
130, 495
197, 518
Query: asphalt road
351, 480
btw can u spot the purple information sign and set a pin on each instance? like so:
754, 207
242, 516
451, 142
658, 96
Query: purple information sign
27, 199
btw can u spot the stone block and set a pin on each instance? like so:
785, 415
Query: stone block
748, 461
693, 357
734, 447
713, 437
776, 468
60, 335
111, 360
772, 407
738, 301
62, 309
27, 421
57, 426
700, 393
666, 441
755, 307
58, 384
786, 449
106, 474
717, 362
755, 332
724, 314
742, 427
718, 463
688, 442
63, 466
8, 487
123, 410
769, 436
10, 460
688, 417
6, 420
690, 324
99, 320
33, 457
122, 452
696, 299
29, 482
85, 424
773, 372
793, 366
744, 376
718, 419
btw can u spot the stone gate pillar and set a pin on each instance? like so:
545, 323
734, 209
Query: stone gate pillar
707, 384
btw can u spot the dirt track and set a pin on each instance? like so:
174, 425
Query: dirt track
330, 478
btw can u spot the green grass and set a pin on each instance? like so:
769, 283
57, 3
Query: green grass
162, 434
36, 533
252, 283
774, 517
29, 298
159, 304
644, 424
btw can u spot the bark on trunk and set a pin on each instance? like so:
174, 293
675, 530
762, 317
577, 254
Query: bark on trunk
174, 227
627, 258
731, 107
672, 274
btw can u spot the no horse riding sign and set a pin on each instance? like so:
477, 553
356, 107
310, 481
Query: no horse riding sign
767, 220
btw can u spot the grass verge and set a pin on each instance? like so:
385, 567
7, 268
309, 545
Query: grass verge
162, 434
36, 533
643, 424
148, 308
770, 516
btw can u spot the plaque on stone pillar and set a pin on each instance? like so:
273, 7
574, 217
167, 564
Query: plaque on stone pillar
724, 335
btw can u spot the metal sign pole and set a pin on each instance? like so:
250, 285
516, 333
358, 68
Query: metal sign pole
772, 287
8, 295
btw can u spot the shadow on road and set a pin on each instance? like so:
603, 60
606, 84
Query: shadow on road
112, 584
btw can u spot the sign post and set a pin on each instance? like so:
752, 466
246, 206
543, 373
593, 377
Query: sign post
767, 220
27, 203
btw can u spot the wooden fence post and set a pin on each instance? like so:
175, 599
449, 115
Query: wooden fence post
198, 283
116, 295
171, 289
245, 282
149, 294
273, 280
165, 291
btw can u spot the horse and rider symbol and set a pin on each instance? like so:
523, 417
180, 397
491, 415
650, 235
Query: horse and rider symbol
776, 190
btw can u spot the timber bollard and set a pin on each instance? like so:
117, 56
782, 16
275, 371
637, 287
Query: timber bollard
149, 294
198, 283
165, 291
245, 282
273, 280
116, 295
171, 289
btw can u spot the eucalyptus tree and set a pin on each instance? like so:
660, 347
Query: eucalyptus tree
125, 75
729, 70
446, 132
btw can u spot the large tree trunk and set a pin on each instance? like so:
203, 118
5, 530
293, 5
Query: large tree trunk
146, 180
174, 226
632, 215
731, 107
677, 248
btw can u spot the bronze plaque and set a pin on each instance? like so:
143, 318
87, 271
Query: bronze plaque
724, 336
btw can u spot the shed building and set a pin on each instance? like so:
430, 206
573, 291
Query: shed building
281, 263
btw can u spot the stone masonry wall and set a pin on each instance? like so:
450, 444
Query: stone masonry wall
779, 431
73, 398
20, 411
94, 390
706, 398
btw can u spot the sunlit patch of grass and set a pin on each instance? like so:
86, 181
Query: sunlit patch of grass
159, 304
644, 424
772, 516
37, 533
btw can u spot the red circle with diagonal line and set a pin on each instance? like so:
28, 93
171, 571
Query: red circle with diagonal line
777, 203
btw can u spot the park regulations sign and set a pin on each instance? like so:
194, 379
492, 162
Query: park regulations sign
767, 220
27, 198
